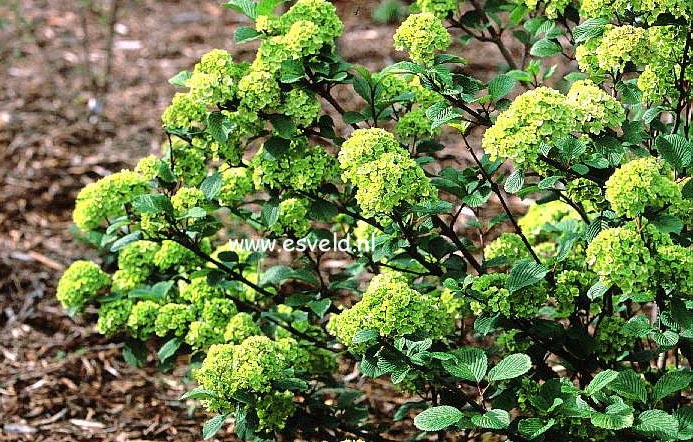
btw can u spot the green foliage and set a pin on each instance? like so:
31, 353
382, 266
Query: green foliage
641, 184
573, 321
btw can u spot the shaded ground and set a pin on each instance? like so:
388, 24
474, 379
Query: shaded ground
60, 381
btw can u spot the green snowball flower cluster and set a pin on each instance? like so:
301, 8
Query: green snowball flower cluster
602, 8
173, 318
543, 115
274, 409
236, 184
534, 222
611, 340
382, 171
620, 45
123, 281
107, 197
588, 192
202, 335
293, 217
684, 207
217, 312
441, 8
366, 145
616, 47
302, 106
302, 31
597, 109
149, 167
675, 268
498, 299
259, 90
214, 79
677, 8
569, 285
534, 117
172, 255
620, 257
254, 366
189, 162
80, 283
113, 316
415, 125
391, 85
302, 167
240, 327
199, 290
203, 320
661, 75
135, 264
138, 257
421, 35
508, 245
142, 320
647, 9
640, 184
453, 303
553, 8
184, 112
186, 198
303, 37
392, 308
322, 14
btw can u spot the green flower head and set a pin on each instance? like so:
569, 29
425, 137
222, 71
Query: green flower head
173, 255
508, 245
421, 35
240, 327
258, 90
202, 335
441, 8
137, 257
198, 291
391, 308
302, 167
236, 184
640, 184
113, 316
382, 171
142, 320
620, 257
81, 283
173, 318
597, 109
252, 365
107, 197
185, 111
218, 312
534, 117
293, 217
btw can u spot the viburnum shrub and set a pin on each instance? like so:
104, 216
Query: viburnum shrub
572, 322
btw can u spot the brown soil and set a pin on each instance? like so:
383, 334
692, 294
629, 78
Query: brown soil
59, 380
